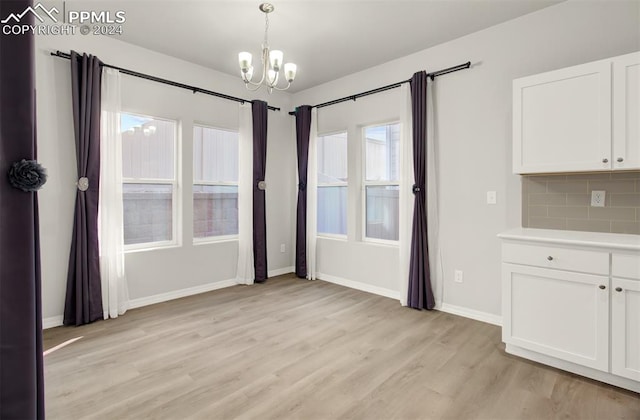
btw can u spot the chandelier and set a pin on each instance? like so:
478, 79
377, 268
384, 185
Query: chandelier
271, 62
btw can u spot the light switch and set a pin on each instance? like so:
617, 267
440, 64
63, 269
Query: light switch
491, 197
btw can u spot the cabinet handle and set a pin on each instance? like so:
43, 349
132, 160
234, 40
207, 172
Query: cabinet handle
618, 289
602, 287
620, 159
605, 160
550, 258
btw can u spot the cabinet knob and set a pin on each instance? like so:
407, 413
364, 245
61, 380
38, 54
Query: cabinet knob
605, 160
620, 159
618, 289
550, 258
602, 287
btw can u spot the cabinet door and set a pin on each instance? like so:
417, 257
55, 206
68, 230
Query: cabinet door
625, 328
557, 313
626, 112
562, 120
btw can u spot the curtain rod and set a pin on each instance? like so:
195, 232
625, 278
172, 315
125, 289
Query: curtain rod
431, 75
194, 89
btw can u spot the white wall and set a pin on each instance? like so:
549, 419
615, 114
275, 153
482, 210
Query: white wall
166, 270
473, 130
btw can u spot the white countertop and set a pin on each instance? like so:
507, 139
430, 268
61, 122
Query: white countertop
570, 237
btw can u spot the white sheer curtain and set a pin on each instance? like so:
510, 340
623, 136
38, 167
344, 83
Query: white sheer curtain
312, 196
245, 273
406, 194
433, 203
115, 294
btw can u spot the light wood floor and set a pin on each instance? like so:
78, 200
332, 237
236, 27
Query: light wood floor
294, 349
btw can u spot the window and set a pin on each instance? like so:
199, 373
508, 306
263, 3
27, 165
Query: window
332, 184
149, 180
381, 181
215, 183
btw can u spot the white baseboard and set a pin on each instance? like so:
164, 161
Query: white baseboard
176, 294
52, 321
471, 313
393, 294
281, 271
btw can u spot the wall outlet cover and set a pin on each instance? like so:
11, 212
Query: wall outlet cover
491, 197
597, 198
458, 276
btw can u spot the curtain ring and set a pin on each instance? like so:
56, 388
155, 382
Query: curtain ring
83, 184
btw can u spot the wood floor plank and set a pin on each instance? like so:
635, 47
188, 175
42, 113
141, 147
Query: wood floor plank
295, 349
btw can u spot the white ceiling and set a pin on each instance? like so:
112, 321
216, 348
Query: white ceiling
326, 39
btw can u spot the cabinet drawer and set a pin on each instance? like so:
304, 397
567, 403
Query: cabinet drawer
626, 265
593, 262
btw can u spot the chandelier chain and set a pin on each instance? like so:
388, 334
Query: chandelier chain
266, 29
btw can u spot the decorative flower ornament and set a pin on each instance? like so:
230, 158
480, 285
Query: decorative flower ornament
27, 175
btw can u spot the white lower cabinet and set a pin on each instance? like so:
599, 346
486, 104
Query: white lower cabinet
559, 313
625, 328
572, 301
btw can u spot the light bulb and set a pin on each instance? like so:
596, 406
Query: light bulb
290, 71
275, 58
248, 75
244, 59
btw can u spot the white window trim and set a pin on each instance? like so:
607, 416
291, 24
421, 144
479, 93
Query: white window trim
373, 183
176, 201
338, 236
215, 238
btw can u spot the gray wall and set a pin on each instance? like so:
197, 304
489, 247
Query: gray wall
563, 202
167, 270
473, 130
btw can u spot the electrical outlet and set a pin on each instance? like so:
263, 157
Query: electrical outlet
458, 277
491, 197
282, 248
597, 198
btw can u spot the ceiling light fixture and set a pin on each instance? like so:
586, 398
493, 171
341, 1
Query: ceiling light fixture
271, 62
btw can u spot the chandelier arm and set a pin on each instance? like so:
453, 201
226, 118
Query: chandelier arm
284, 88
257, 87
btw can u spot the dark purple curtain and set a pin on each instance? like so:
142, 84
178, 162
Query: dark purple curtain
420, 295
83, 303
21, 374
259, 113
303, 128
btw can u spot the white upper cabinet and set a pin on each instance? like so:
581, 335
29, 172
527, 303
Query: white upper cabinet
562, 120
626, 112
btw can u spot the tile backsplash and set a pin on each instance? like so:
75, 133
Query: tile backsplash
563, 202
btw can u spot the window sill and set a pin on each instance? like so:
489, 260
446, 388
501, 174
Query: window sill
381, 242
334, 237
215, 240
151, 247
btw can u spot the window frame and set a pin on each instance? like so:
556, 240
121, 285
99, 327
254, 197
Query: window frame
194, 182
319, 185
175, 198
366, 183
